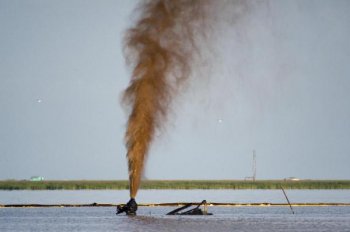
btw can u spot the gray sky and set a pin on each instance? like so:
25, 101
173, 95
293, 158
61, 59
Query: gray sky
278, 82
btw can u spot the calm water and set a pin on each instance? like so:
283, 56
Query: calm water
154, 219
164, 196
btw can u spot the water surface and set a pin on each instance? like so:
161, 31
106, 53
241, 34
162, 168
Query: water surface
149, 219
165, 196
153, 219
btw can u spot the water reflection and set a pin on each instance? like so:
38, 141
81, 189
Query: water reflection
153, 219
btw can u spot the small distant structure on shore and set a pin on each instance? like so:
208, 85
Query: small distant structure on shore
252, 178
36, 178
292, 179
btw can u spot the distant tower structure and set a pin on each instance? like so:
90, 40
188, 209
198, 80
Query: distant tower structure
254, 165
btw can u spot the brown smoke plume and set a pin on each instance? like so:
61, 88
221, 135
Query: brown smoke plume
160, 48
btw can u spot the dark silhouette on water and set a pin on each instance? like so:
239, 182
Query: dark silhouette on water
130, 208
195, 211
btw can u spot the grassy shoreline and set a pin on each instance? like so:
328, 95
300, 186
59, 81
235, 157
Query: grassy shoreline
173, 184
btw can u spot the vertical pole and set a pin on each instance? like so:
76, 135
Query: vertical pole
254, 165
205, 208
290, 206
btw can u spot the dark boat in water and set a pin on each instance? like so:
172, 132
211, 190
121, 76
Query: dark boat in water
194, 211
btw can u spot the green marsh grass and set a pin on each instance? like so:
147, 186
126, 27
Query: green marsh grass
173, 184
